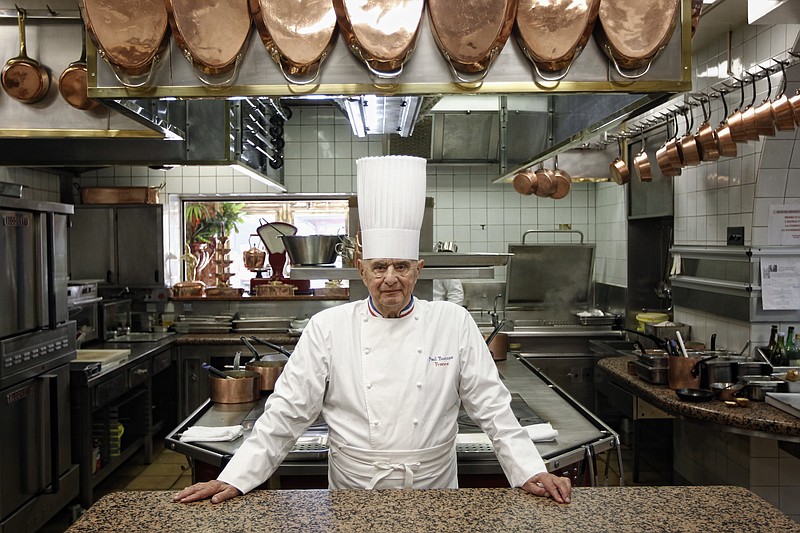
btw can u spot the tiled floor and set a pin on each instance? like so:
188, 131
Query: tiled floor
170, 471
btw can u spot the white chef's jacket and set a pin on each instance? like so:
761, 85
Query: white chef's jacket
387, 384
449, 290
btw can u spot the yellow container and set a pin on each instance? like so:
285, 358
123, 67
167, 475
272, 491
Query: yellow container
650, 318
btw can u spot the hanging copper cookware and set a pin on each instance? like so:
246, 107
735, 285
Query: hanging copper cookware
632, 34
765, 116
725, 143
706, 135
735, 120
471, 33
74, 81
130, 35
641, 162
667, 157
298, 35
618, 168
749, 116
25, 79
563, 182
212, 35
525, 182
689, 150
546, 182
552, 33
781, 107
380, 33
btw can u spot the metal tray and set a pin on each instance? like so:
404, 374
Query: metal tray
309, 448
262, 322
656, 376
453, 259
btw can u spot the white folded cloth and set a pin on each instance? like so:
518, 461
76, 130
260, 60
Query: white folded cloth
212, 434
541, 432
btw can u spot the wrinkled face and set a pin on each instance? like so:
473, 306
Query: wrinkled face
390, 282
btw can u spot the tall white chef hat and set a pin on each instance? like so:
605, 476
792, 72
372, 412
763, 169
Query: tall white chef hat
391, 203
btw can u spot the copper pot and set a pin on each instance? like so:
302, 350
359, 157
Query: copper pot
298, 40
470, 43
707, 137
726, 145
212, 35
269, 370
242, 387
380, 33
254, 258
546, 182
668, 156
641, 163
794, 101
525, 182
781, 107
734, 120
652, 22
73, 82
25, 79
765, 115
688, 149
563, 182
749, 122
552, 34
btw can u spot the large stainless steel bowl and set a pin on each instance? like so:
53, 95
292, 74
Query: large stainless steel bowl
308, 250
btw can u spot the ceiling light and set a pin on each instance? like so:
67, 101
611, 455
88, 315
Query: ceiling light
258, 176
373, 115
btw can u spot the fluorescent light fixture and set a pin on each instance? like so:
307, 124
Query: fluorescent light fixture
354, 107
253, 174
372, 114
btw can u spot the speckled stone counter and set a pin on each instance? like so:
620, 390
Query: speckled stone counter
758, 416
618, 509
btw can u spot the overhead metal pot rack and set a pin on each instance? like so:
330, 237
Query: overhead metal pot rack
41, 14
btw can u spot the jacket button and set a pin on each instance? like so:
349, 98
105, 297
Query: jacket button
369, 385
366, 351
419, 350
375, 423
419, 385
416, 421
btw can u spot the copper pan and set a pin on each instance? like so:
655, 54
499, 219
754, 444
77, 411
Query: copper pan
667, 157
552, 33
781, 107
73, 82
706, 135
380, 33
765, 116
641, 163
471, 33
563, 182
546, 182
749, 116
525, 182
689, 150
298, 35
212, 34
620, 173
25, 79
632, 34
734, 120
130, 35
726, 145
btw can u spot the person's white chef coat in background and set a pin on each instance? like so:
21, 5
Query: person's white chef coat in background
387, 384
448, 290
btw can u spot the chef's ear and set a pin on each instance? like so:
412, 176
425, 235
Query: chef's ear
360, 265
420, 264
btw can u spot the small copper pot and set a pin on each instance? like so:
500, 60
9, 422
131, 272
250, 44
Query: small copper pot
641, 163
734, 120
620, 173
726, 145
749, 122
563, 182
707, 137
546, 182
667, 157
243, 387
765, 115
785, 119
525, 182
689, 151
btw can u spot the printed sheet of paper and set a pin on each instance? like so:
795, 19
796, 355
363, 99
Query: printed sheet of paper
780, 283
784, 224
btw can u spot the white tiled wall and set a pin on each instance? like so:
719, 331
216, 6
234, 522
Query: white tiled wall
36, 185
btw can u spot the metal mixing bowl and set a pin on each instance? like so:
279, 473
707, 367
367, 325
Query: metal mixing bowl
308, 250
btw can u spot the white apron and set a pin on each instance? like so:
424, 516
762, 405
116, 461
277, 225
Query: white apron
350, 467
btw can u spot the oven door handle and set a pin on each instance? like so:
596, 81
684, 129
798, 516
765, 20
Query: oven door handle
55, 468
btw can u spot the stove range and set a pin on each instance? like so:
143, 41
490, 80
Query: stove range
521, 409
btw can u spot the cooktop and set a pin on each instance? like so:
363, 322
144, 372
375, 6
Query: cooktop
521, 409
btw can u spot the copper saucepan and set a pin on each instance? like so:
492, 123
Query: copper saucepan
734, 120
765, 115
525, 182
546, 182
563, 182
749, 115
620, 173
706, 135
641, 163
781, 107
689, 150
725, 143
552, 34
471, 43
668, 157
73, 83
25, 79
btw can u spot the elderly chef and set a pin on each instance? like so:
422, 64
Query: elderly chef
387, 373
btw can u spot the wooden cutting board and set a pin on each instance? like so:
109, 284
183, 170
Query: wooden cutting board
102, 356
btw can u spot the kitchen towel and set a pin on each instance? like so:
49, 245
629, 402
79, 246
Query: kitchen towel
212, 434
541, 432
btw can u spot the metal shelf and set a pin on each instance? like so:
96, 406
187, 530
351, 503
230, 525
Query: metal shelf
427, 273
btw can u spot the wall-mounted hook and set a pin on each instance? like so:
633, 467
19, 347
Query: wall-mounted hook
51, 11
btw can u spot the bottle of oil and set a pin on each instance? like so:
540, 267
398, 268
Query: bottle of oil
792, 353
773, 341
778, 355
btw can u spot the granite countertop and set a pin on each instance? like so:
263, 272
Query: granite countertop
758, 416
619, 509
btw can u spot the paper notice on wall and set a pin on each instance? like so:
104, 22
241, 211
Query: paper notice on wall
780, 283
784, 224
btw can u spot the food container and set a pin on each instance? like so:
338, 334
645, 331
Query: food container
188, 289
668, 330
753, 368
657, 376
654, 358
759, 386
244, 387
649, 318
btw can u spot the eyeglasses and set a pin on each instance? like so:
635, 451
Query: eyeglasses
401, 268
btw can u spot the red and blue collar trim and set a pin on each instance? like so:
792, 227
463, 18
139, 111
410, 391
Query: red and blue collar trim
407, 310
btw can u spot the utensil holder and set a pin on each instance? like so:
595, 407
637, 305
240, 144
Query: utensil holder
679, 373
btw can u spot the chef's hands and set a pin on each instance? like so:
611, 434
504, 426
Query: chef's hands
218, 491
549, 485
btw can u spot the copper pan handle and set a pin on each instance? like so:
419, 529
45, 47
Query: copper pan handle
629, 76
556, 78
390, 75
296, 80
124, 79
218, 84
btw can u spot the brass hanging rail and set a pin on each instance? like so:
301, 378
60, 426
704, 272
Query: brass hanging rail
41, 14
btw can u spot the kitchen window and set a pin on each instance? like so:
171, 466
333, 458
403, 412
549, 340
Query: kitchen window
203, 219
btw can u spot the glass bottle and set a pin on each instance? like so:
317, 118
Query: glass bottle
773, 341
778, 356
792, 354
